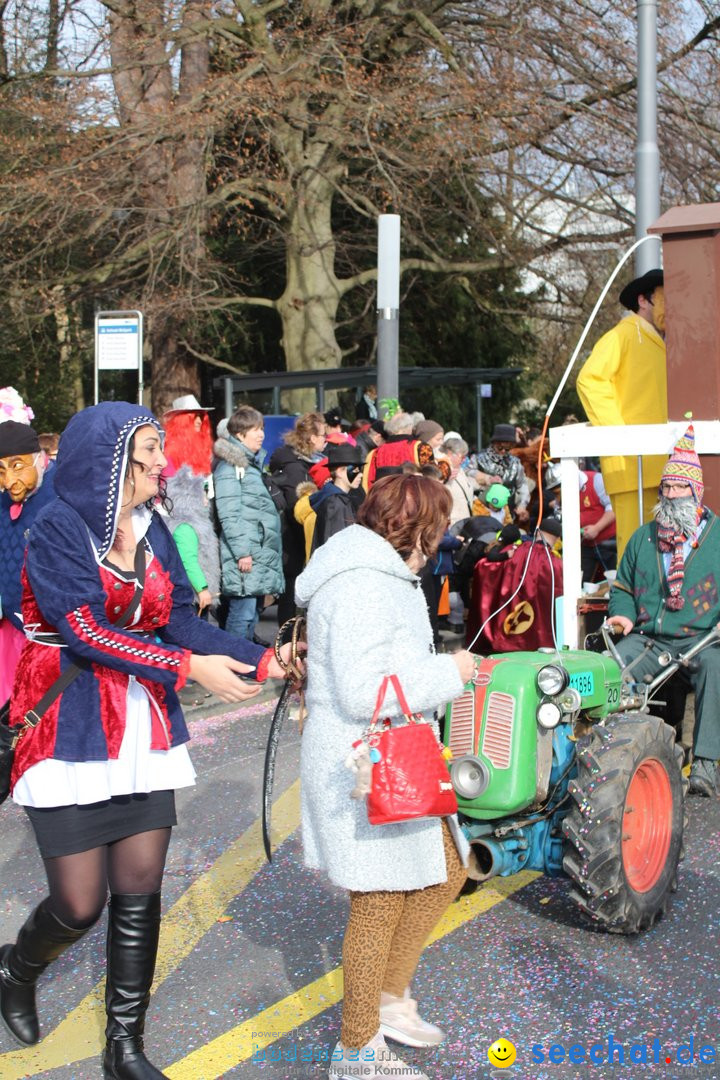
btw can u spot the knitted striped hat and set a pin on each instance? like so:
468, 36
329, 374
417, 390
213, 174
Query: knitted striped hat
684, 465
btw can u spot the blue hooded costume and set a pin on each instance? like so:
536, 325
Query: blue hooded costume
71, 599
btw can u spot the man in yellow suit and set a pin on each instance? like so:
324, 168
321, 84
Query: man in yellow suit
624, 381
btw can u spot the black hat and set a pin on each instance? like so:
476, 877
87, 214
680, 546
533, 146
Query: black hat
551, 525
379, 426
17, 438
333, 417
342, 454
504, 433
641, 286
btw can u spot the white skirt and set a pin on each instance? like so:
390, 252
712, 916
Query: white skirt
137, 768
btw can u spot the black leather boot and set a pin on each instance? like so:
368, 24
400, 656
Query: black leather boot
133, 933
42, 939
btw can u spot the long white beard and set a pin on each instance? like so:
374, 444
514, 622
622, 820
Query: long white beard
680, 515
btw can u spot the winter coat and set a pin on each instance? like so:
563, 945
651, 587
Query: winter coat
358, 574
366, 408
640, 591
249, 521
390, 456
305, 515
334, 509
193, 530
442, 563
71, 600
365, 443
509, 469
289, 469
463, 491
16, 520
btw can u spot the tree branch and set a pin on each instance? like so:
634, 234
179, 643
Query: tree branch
207, 359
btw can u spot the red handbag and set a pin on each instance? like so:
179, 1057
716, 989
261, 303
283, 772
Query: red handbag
410, 777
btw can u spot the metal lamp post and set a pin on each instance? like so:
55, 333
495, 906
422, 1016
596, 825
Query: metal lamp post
388, 307
647, 156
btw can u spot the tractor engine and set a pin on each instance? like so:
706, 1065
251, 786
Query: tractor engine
514, 735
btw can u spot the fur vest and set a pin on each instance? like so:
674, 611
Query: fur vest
190, 507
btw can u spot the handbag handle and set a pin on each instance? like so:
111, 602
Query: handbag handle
399, 693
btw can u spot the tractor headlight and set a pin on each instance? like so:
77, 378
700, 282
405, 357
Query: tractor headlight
552, 680
548, 714
571, 700
470, 776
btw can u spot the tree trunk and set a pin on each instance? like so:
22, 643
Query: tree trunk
66, 323
174, 371
308, 306
171, 172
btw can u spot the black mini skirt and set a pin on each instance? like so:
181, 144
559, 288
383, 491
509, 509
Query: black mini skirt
67, 830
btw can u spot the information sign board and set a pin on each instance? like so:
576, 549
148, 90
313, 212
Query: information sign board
119, 345
118, 341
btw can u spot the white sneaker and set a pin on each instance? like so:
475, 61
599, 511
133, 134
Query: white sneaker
400, 1020
374, 1061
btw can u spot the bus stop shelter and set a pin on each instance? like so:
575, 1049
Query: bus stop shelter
322, 379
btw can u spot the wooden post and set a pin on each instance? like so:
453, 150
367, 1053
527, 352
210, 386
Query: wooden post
691, 265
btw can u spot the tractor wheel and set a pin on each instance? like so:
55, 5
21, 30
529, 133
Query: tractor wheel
624, 835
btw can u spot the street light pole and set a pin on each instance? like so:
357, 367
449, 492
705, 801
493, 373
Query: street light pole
388, 308
647, 156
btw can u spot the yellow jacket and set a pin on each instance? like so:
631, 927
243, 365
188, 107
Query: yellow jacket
305, 515
624, 381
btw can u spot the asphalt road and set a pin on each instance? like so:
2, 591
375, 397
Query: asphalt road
248, 982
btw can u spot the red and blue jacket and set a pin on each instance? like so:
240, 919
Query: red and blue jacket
71, 600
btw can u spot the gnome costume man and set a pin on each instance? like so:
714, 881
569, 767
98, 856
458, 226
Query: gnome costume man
667, 587
26, 486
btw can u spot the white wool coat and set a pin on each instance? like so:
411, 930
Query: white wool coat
366, 618
463, 492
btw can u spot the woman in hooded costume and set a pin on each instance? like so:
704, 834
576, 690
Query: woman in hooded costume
96, 775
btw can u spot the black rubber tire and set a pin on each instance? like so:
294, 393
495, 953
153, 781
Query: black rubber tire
593, 856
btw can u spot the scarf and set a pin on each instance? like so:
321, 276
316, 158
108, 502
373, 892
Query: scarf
669, 540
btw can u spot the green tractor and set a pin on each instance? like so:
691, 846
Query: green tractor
559, 766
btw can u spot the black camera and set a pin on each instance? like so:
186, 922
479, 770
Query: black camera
353, 471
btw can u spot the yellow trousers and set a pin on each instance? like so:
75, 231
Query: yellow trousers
625, 506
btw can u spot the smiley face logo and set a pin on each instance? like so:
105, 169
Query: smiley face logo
501, 1054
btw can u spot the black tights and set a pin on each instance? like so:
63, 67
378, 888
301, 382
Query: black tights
79, 883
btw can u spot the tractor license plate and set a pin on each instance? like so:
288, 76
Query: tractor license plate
583, 682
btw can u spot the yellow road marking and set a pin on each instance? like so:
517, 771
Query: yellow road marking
239, 1044
80, 1034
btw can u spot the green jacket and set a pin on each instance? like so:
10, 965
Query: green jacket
249, 522
188, 546
641, 587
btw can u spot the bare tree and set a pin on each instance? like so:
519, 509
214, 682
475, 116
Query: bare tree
504, 128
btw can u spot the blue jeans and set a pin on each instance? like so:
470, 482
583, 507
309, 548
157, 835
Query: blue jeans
242, 616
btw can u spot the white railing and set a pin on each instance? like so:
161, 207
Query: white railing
574, 441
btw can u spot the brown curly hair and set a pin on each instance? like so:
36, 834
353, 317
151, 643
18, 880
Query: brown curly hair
407, 509
307, 425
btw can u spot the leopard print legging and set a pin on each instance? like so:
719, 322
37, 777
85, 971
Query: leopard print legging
385, 935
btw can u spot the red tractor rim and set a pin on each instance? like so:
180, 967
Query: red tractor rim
647, 825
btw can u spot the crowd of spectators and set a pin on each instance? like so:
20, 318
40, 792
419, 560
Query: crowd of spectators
246, 526
271, 516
